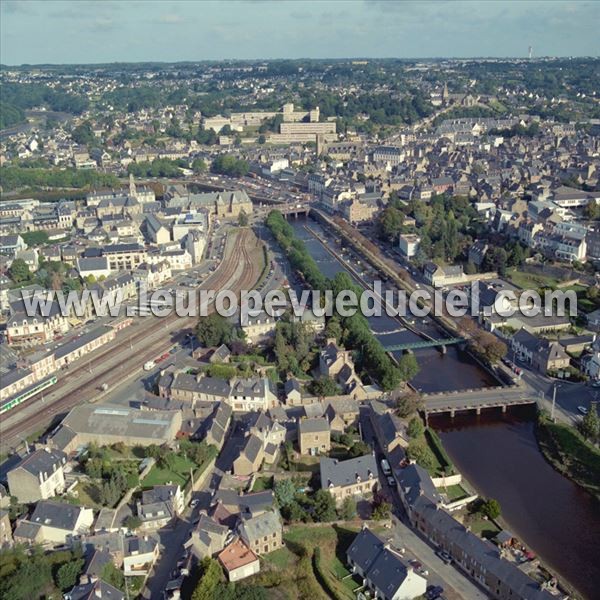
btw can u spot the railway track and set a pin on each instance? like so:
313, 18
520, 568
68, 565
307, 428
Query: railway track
134, 346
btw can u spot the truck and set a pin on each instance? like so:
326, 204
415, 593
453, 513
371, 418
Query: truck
385, 467
148, 366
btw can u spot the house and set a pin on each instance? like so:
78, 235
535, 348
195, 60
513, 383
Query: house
541, 353
389, 429
262, 533
6, 537
238, 561
93, 266
219, 426
54, 523
160, 505
39, 476
314, 436
293, 392
94, 590
245, 505
259, 328
250, 458
440, 276
409, 244
208, 537
477, 558
139, 555
477, 252
252, 394
342, 413
337, 363
345, 478
383, 571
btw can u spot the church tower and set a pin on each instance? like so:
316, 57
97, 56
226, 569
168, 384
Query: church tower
132, 190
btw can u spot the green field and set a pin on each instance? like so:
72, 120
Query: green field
527, 281
179, 473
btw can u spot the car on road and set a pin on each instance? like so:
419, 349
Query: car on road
444, 556
583, 410
419, 568
194, 502
434, 591
391, 482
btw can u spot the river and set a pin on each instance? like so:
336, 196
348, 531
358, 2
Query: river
499, 455
438, 372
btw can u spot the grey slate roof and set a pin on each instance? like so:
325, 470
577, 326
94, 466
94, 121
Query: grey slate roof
341, 473
263, 525
95, 590
42, 461
59, 515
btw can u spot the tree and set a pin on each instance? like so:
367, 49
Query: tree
390, 223
67, 574
19, 271
324, 386
408, 404
243, 219
359, 448
113, 576
381, 508
324, 506
490, 508
262, 139
590, 424
214, 330
199, 166
415, 428
348, 509
132, 522
285, 491
408, 366
209, 580
419, 451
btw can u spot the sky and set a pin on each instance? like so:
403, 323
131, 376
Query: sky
98, 31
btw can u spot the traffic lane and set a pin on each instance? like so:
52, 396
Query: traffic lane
455, 584
171, 551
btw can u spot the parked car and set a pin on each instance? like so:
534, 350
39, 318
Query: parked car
391, 482
434, 591
583, 410
194, 502
444, 556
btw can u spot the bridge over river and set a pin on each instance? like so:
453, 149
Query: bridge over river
468, 400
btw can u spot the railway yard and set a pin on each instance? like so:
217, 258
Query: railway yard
122, 360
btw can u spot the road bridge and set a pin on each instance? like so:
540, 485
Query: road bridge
476, 400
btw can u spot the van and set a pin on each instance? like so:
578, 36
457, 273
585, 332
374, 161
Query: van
385, 467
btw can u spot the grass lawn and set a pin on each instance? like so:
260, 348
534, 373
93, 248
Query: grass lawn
530, 280
281, 558
262, 483
454, 492
333, 541
482, 527
567, 450
178, 474
88, 494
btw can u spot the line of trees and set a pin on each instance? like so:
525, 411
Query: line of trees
353, 332
17, 177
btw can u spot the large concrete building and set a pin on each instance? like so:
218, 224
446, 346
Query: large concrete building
111, 423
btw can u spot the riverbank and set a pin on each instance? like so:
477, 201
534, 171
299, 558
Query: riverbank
569, 453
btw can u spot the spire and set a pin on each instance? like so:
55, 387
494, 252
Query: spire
132, 190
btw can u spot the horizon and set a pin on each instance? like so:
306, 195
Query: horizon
178, 32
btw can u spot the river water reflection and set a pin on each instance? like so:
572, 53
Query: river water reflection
499, 455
